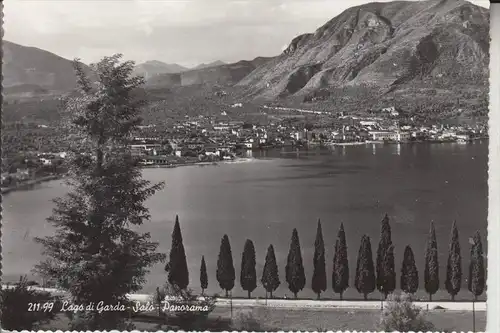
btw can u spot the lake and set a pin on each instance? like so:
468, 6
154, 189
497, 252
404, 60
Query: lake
265, 197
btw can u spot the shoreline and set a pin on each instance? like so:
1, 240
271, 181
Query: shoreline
312, 304
26, 185
29, 183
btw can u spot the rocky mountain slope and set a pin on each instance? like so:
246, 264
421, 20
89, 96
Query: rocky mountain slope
153, 67
385, 46
35, 71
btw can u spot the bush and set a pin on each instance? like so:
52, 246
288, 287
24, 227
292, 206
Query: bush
245, 321
19, 307
400, 314
184, 320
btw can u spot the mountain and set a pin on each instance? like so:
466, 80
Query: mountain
382, 47
32, 70
154, 67
212, 64
226, 74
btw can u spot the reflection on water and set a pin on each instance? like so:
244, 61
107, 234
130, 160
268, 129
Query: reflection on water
264, 199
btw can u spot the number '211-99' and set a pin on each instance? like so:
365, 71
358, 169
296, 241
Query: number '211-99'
45, 307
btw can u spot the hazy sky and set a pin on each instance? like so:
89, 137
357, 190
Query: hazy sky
187, 32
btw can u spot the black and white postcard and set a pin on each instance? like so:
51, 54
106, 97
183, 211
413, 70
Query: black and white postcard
270, 165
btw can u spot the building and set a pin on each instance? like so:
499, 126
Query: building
141, 149
389, 136
212, 150
368, 123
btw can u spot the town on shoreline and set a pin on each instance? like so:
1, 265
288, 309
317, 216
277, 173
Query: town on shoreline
206, 140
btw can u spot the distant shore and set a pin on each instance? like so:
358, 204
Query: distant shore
29, 183
26, 185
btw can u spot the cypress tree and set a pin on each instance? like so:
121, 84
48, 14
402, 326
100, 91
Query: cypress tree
409, 272
476, 268
248, 276
384, 283
225, 268
389, 274
431, 270
295, 276
177, 266
340, 274
270, 277
203, 275
319, 273
365, 274
453, 280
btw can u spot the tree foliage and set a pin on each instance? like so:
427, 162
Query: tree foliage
319, 265
95, 253
365, 273
453, 281
270, 276
295, 275
431, 270
385, 284
203, 275
177, 266
225, 267
340, 274
476, 279
19, 310
409, 272
388, 271
401, 315
248, 276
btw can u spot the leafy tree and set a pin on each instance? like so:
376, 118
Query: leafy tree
96, 254
453, 280
340, 275
19, 310
431, 270
409, 272
319, 273
203, 275
270, 276
476, 280
389, 282
401, 315
177, 266
295, 275
384, 283
248, 276
225, 268
365, 273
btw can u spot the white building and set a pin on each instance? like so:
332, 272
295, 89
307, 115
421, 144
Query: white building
390, 136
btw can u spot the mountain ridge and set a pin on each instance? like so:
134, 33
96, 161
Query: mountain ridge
382, 45
151, 68
210, 64
395, 52
28, 69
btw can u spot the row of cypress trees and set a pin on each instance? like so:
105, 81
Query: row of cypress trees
369, 276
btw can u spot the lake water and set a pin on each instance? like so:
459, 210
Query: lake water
264, 198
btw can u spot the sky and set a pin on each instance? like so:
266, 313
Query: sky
186, 32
